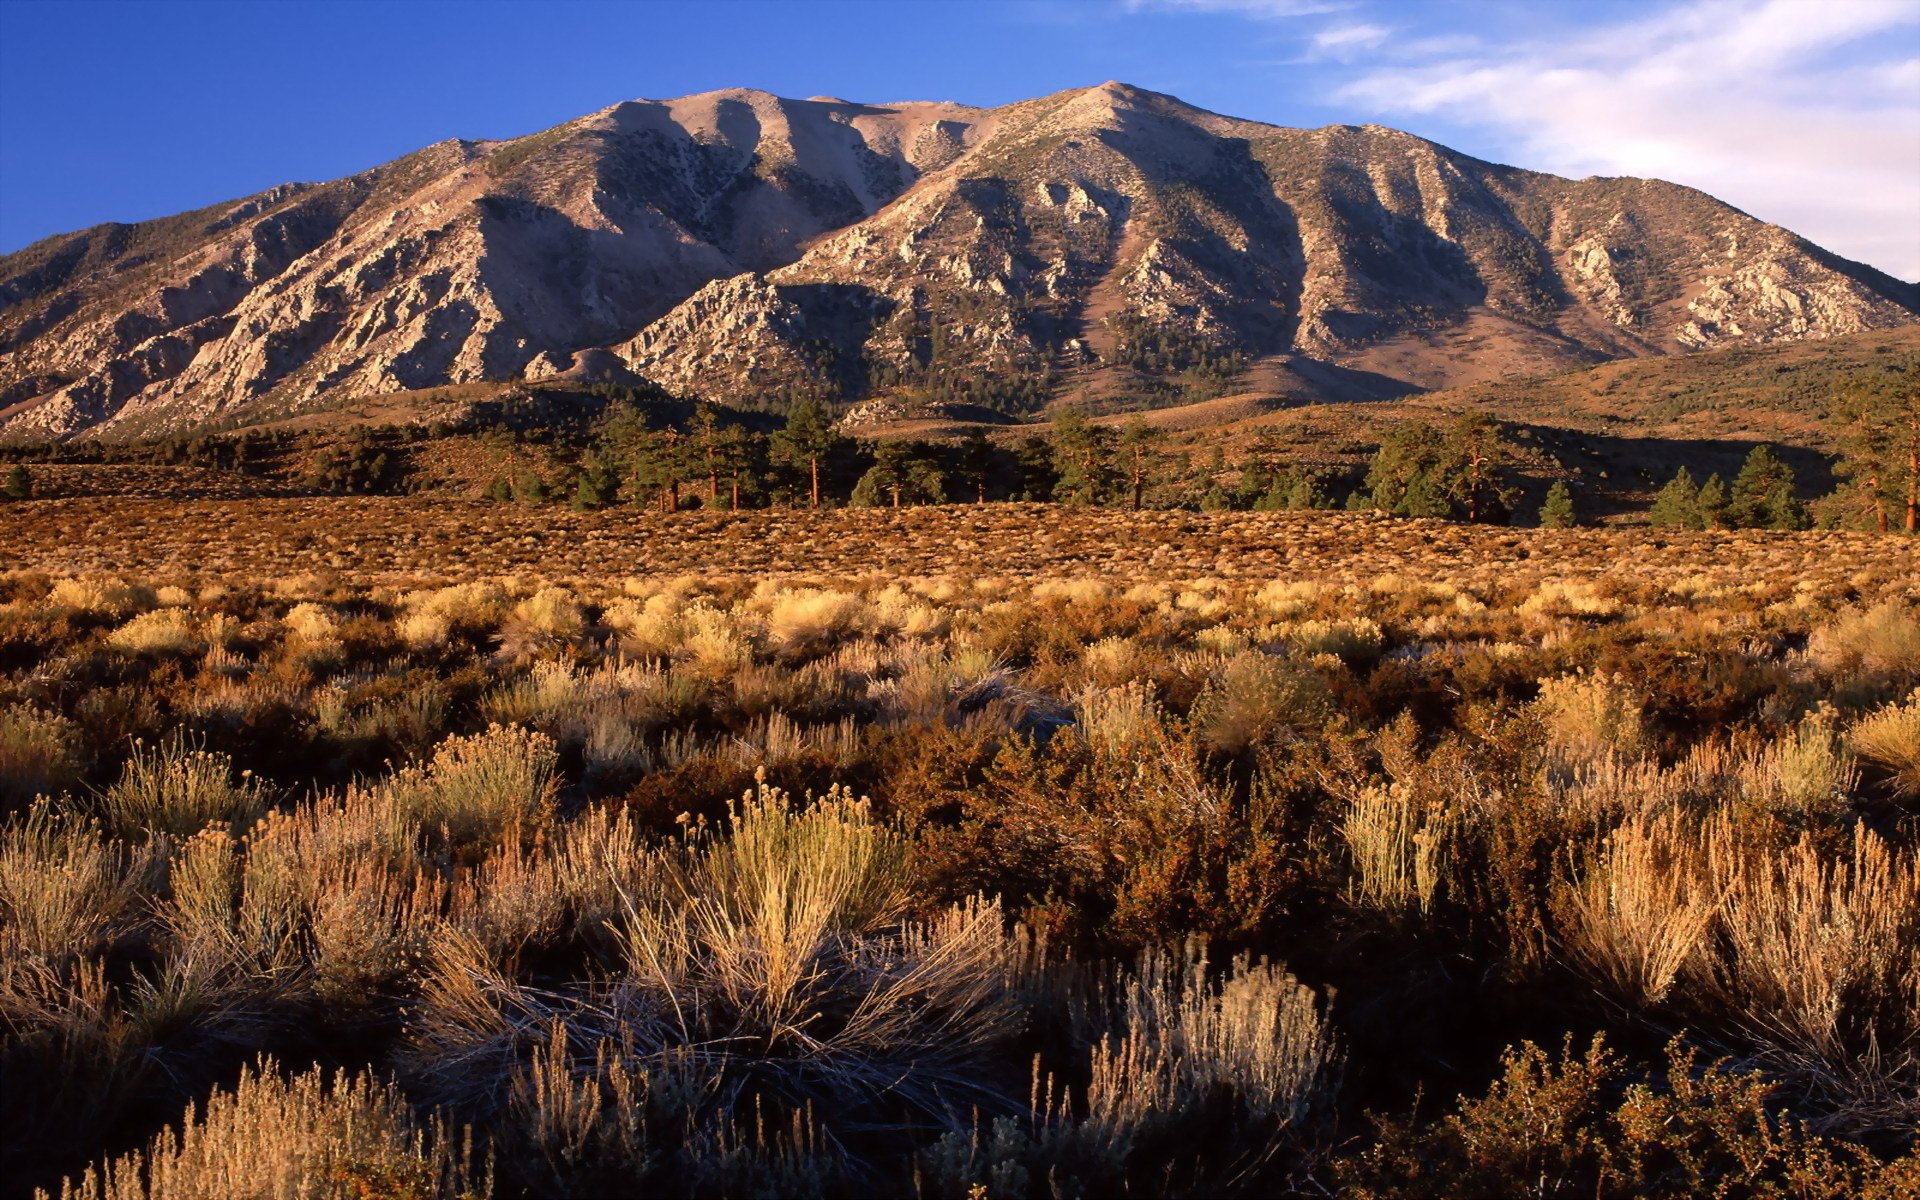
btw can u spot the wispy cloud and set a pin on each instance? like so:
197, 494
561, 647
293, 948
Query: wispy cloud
1343, 40
1266, 10
1803, 112
1787, 109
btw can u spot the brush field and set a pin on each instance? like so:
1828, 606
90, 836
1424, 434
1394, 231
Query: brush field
410, 847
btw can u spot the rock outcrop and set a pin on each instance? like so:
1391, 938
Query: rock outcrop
735, 242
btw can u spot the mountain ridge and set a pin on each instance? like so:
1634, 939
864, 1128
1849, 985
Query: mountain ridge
1104, 245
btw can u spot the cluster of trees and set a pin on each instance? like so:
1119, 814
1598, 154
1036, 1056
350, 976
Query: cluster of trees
1462, 471
1763, 496
363, 466
1879, 412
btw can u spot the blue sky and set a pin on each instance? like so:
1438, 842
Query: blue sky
1804, 112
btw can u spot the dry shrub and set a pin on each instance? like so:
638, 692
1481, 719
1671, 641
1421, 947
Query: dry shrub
1254, 1039
1821, 955
431, 617
39, 753
162, 633
1884, 639
1568, 1128
807, 619
1567, 598
101, 597
312, 622
1397, 841
1640, 911
64, 887
1807, 773
481, 789
770, 965
179, 788
1253, 697
1889, 738
1591, 718
1356, 640
347, 1137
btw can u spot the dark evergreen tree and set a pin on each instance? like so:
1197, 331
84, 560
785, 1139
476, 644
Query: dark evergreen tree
1677, 506
1558, 511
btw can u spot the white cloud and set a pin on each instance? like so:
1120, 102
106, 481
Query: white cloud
1778, 108
1344, 39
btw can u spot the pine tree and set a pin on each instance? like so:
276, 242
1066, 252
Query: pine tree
1461, 471
19, 484
597, 487
1677, 506
1711, 504
977, 458
1880, 444
805, 444
901, 471
1140, 456
1306, 490
1081, 454
1762, 496
1558, 511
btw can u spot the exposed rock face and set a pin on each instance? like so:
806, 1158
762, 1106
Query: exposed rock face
735, 241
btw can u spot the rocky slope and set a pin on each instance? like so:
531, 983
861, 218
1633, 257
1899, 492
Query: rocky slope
1093, 244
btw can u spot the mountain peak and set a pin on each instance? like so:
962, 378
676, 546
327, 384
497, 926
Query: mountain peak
1098, 244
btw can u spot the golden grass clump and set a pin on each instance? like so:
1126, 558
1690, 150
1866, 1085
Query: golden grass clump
1884, 638
1254, 1038
1590, 718
808, 618
1398, 844
65, 887
162, 632
1889, 738
312, 622
1639, 911
344, 1137
481, 789
1821, 955
39, 752
177, 787
106, 597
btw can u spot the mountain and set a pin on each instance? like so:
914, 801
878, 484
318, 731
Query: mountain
1107, 245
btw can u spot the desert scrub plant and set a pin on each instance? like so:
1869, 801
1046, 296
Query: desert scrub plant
1640, 908
66, 888
1252, 1044
1804, 775
1590, 718
40, 752
1820, 964
806, 620
479, 790
1889, 738
161, 633
178, 787
1580, 1125
1397, 841
105, 597
1883, 640
1197, 1082
1255, 697
765, 966
344, 1137
311, 622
